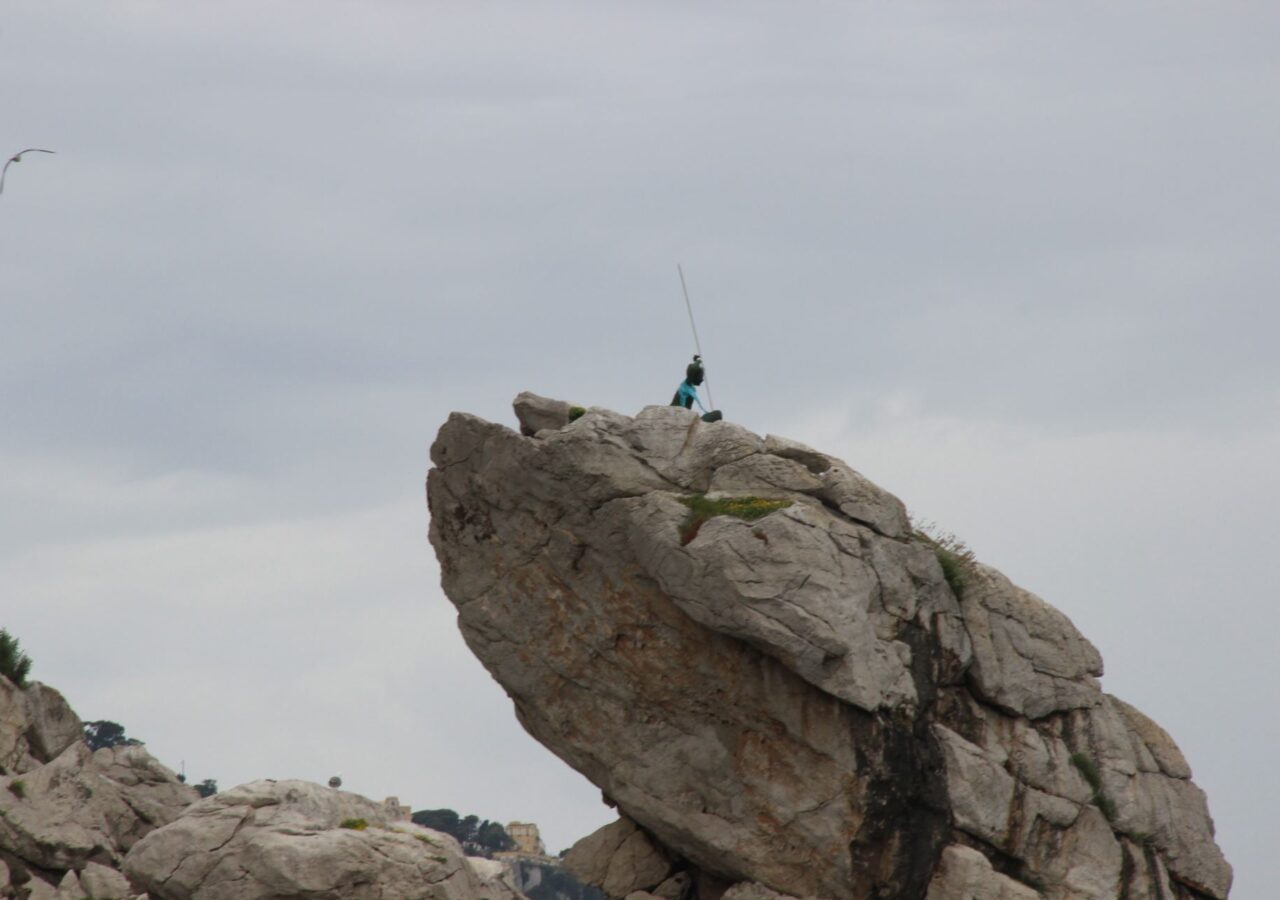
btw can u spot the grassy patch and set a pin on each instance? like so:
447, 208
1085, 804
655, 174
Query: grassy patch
702, 508
576, 413
354, 824
18, 788
1089, 772
958, 563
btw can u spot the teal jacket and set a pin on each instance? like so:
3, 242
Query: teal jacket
686, 396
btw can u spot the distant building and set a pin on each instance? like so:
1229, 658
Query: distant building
395, 811
528, 840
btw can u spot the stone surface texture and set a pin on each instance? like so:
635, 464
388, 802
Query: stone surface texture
802, 701
68, 815
36, 724
286, 839
495, 879
536, 413
620, 859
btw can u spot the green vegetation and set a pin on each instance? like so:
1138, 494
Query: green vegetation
18, 788
959, 566
478, 837
576, 413
1089, 771
207, 788
105, 733
354, 824
702, 508
14, 664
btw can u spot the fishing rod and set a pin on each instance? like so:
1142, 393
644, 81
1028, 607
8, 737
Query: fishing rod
697, 343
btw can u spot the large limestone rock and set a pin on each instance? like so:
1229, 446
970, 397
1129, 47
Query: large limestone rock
286, 839
799, 701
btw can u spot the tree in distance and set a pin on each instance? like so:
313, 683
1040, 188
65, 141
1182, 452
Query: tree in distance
478, 837
105, 733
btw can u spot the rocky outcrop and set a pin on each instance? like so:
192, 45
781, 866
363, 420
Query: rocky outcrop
796, 696
69, 815
286, 839
36, 724
111, 825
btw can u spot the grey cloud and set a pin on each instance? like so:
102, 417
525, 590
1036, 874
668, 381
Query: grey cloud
279, 244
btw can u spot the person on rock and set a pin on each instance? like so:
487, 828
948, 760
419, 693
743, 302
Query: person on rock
687, 393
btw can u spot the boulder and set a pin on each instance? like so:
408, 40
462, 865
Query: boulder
620, 859
537, 413
15, 722
1027, 656
794, 697
153, 790
103, 883
36, 725
39, 889
965, 874
74, 810
271, 839
54, 724
70, 888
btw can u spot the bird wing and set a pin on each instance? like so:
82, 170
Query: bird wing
17, 157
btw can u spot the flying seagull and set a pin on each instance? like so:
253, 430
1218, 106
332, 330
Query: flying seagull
17, 157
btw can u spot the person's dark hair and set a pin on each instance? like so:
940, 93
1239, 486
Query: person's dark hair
693, 373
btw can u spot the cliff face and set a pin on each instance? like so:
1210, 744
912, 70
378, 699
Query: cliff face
800, 699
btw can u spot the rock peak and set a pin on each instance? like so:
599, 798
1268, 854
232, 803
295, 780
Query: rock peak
744, 643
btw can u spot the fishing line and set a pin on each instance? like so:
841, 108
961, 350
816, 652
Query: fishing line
697, 343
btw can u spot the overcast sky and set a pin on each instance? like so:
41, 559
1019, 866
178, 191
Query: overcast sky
1015, 262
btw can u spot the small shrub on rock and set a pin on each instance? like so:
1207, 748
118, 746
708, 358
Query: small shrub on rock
18, 788
14, 664
957, 560
354, 824
1089, 771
